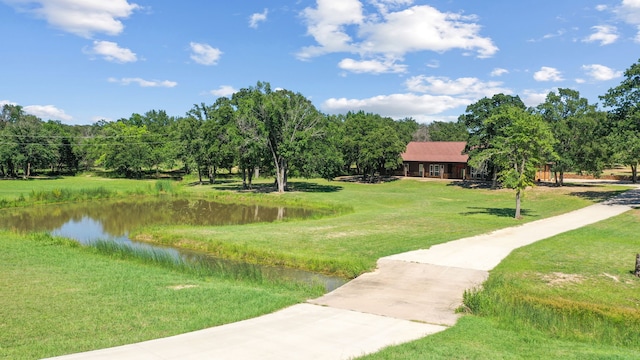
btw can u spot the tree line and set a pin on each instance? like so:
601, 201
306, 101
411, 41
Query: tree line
281, 133
258, 129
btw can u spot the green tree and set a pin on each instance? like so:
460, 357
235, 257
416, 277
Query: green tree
29, 144
623, 102
373, 143
441, 131
482, 132
575, 126
286, 122
523, 143
125, 149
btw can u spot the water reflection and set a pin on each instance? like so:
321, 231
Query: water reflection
98, 221
119, 217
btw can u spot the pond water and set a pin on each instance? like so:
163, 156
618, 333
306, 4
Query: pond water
112, 221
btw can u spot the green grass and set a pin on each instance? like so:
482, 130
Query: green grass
386, 219
571, 296
480, 338
60, 298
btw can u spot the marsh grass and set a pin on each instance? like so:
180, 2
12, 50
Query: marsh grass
190, 265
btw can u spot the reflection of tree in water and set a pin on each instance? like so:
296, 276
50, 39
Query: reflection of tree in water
119, 217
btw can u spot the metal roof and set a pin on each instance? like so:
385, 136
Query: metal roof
436, 151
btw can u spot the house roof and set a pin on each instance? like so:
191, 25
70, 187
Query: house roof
436, 151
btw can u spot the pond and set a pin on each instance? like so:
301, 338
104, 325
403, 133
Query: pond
94, 222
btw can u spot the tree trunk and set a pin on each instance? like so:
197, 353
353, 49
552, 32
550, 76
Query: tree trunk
518, 205
561, 177
244, 178
494, 180
637, 272
634, 173
200, 175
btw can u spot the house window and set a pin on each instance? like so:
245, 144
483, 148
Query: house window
434, 170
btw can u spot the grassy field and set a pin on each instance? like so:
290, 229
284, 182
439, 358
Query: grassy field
386, 219
568, 297
59, 298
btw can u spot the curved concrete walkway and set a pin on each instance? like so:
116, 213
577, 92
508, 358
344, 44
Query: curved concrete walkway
409, 296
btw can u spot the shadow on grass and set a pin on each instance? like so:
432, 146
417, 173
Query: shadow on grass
216, 183
361, 179
499, 212
597, 196
471, 184
261, 188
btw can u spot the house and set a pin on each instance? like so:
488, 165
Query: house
436, 159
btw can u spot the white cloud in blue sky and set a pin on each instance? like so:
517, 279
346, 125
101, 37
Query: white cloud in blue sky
257, 18
204, 54
401, 58
111, 51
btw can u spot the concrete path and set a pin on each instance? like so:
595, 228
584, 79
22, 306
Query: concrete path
409, 296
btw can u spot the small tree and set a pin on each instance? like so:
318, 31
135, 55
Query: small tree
523, 144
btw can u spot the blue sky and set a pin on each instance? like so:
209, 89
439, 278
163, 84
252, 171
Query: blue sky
79, 61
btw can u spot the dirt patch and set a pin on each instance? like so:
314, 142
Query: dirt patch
559, 279
181, 287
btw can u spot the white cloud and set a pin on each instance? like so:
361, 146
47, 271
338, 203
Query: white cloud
548, 74
499, 72
467, 87
434, 64
112, 52
629, 11
600, 72
604, 34
44, 112
81, 17
397, 106
327, 22
427, 96
533, 98
257, 18
390, 33
204, 54
372, 66
6, 102
47, 112
143, 82
224, 90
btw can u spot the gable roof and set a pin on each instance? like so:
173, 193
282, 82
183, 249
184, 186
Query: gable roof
436, 151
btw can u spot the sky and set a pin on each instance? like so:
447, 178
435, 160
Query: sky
81, 61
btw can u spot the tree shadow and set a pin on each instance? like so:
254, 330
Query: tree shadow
472, 184
597, 196
361, 179
313, 187
266, 188
499, 212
